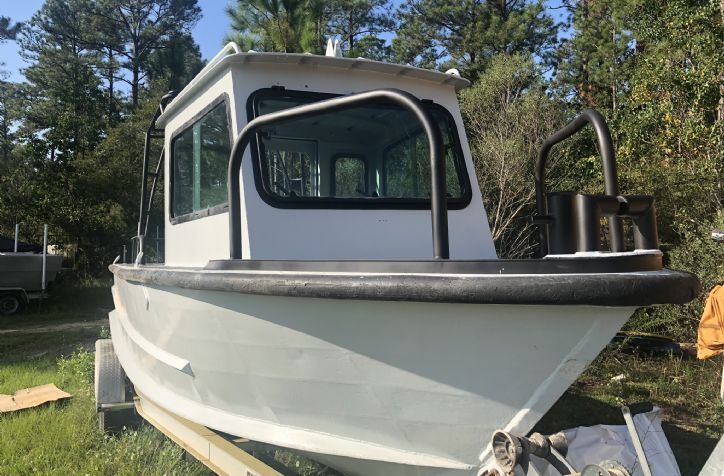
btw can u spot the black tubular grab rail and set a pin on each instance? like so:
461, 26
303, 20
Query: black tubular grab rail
145, 207
608, 160
440, 239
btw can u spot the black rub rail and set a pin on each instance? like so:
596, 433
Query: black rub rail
440, 239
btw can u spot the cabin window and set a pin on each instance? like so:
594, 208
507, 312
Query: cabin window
350, 176
293, 169
407, 168
200, 156
371, 156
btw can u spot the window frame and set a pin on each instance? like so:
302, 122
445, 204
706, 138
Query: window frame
186, 126
367, 203
333, 171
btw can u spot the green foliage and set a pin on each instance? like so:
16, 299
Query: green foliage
133, 30
64, 111
465, 35
297, 26
8, 31
271, 25
507, 115
671, 143
594, 63
10, 115
371, 47
79, 367
358, 23
700, 255
175, 65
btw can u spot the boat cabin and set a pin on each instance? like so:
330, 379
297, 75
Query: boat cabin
354, 183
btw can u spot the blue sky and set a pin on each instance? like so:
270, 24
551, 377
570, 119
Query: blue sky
208, 33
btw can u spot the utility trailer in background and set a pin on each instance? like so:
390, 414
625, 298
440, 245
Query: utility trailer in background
25, 275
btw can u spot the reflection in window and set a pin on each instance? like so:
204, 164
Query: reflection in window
200, 156
350, 177
407, 168
368, 152
292, 167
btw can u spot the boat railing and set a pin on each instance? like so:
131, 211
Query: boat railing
440, 238
570, 222
146, 203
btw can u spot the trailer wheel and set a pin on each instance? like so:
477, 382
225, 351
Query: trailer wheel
11, 303
115, 410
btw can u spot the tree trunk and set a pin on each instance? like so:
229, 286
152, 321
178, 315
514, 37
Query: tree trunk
721, 77
350, 33
134, 85
111, 96
136, 67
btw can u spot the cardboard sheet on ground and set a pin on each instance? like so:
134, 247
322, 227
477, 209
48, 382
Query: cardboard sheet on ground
32, 397
595, 444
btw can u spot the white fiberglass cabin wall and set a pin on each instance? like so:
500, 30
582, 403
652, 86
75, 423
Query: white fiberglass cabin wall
350, 185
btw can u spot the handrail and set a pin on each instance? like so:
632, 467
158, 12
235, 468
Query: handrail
608, 160
144, 211
440, 239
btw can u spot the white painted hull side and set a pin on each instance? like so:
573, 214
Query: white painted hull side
372, 387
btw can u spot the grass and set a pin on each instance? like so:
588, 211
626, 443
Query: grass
686, 389
63, 438
67, 300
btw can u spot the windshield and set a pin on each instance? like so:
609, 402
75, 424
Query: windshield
371, 154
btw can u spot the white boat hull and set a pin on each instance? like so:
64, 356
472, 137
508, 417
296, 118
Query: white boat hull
371, 387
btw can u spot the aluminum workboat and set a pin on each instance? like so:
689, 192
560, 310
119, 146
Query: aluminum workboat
330, 284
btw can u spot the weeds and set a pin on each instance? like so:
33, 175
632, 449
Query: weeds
686, 390
77, 367
63, 437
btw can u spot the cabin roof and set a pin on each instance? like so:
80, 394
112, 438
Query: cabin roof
304, 59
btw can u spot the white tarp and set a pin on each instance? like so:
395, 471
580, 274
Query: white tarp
715, 464
595, 444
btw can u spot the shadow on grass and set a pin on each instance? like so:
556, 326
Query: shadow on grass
68, 300
691, 448
23, 347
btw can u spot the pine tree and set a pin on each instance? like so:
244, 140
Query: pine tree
355, 20
65, 101
10, 112
175, 65
271, 25
595, 62
144, 26
8, 30
465, 35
